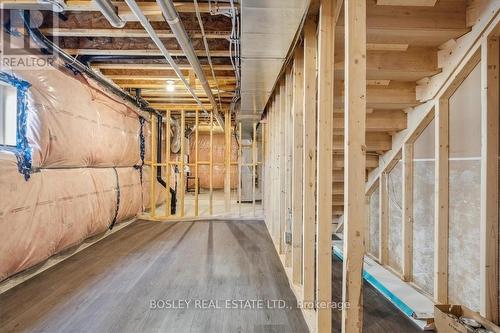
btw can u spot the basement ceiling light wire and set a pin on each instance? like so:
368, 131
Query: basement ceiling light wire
154, 37
234, 39
207, 50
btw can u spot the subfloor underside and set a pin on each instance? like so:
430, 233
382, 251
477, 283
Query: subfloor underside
169, 277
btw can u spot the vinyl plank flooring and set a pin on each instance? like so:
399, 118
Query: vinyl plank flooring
379, 315
108, 287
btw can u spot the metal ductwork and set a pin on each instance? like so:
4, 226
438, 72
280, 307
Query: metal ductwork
58, 6
110, 13
173, 20
156, 39
72, 62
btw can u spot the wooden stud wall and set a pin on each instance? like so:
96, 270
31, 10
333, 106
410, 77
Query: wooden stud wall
297, 165
489, 228
354, 171
486, 51
324, 162
309, 168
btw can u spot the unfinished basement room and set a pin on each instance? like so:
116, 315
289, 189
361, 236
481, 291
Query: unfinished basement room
260, 166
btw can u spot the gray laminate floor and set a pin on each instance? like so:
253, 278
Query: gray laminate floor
112, 285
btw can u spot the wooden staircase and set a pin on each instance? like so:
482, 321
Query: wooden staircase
406, 45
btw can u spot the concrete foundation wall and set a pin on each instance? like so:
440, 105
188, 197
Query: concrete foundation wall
374, 223
423, 210
395, 183
464, 195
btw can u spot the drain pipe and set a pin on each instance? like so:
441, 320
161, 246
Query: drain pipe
110, 13
173, 20
159, 177
156, 39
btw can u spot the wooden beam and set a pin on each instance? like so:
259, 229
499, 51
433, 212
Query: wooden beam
396, 95
297, 164
377, 121
375, 142
371, 161
465, 47
324, 164
425, 3
354, 189
407, 224
163, 78
129, 66
142, 52
126, 33
386, 62
386, 47
150, 9
489, 178
441, 203
309, 171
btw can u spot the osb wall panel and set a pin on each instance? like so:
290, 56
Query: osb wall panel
464, 196
423, 210
395, 183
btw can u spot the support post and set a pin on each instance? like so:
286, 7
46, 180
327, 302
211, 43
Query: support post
407, 231
489, 178
441, 202
182, 186
282, 160
309, 185
324, 175
297, 165
227, 161
240, 156
154, 161
211, 171
168, 172
354, 165
196, 148
254, 164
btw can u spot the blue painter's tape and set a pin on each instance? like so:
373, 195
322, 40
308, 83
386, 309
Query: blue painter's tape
23, 150
381, 288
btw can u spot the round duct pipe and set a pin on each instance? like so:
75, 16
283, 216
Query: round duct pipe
109, 11
58, 6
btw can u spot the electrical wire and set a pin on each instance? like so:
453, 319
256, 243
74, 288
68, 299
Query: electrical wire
207, 51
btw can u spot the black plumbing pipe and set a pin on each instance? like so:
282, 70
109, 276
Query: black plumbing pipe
72, 62
110, 57
159, 178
